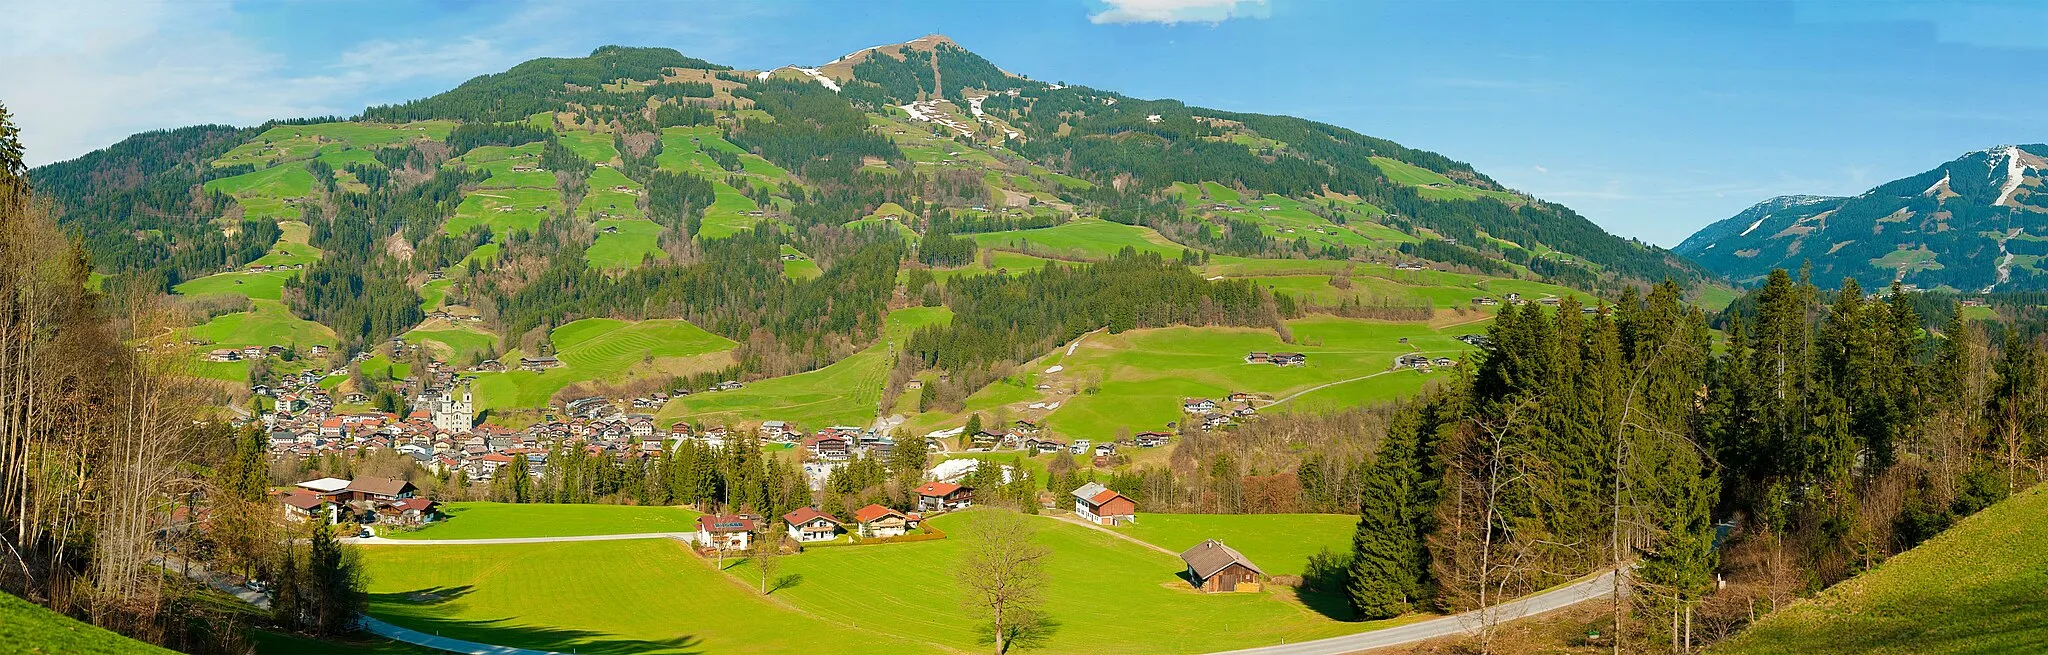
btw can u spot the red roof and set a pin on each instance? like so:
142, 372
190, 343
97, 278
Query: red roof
725, 523
937, 489
420, 504
806, 515
874, 512
1103, 497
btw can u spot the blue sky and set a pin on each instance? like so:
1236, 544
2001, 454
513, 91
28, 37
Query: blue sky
1651, 118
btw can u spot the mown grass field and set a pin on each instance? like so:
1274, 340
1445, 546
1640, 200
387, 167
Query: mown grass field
605, 199
1108, 595
503, 210
303, 141
1279, 543
724, 217
501, 520
1085, 238
1980, 587
605, 349
606, 597
847, 392
26, 627
801, 269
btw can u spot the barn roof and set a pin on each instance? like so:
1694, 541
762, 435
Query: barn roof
1209, 557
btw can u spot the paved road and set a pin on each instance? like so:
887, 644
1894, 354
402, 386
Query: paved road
686, 537
437, 642
1467, 623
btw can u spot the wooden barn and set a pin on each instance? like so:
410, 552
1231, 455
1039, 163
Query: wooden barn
1214, 567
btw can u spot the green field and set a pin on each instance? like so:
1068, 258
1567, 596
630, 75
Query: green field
630, 244
847, 392
302, 141
292, 247
501, 520
455, 344
268, 324
1109, 596
724, 217
26, 627
434, 293
605, 597
802, 269
1433, 185
1085, 238
1143, 375
255, 286
605, 199
605, 349
1980, 587
594, 146
503, 210
1279, 543
275, 643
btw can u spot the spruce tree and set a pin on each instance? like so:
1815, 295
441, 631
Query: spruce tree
1386, 562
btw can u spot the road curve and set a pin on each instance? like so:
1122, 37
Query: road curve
686, 537
1467, 623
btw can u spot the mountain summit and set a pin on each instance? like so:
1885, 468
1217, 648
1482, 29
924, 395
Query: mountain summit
1974, 223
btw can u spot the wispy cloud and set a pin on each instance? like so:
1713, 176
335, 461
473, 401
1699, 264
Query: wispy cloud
1172, 12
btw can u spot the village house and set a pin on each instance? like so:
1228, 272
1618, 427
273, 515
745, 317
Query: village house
943, 496
807, 524
301, 505
1152, 439
876, 521
1289, 359
830, 446
725, 531
1198, 406
539, 363
1101, 505
1214, 567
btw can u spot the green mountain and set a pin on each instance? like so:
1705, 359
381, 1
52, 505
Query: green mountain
785, 211
1972, 224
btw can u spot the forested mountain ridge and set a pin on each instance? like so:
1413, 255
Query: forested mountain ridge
780, 210
1972, 224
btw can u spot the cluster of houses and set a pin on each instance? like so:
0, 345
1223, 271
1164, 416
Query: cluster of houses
1276, 359
266, 268
810, 525
1213, 415
1422, 362
381, 501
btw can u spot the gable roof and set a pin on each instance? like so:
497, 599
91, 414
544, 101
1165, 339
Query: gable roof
873, 513
804, 515
938, 489
380, 486
305, 500
1209, 557
725, 523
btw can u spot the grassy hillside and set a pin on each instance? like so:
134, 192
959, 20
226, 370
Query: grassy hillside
1980, 587
606, 349
26, 627
1279, 543
844, 393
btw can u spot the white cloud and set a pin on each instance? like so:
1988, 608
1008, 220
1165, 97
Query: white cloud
1178, 11
1540, 169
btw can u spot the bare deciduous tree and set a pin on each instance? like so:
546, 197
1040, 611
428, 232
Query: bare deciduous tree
1003, 573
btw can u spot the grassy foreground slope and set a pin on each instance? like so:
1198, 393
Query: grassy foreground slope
1980, 587
638, 596
502, 520
26, 627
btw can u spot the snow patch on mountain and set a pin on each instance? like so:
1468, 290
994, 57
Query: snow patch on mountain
2015, 173
1752, 227
1938, 187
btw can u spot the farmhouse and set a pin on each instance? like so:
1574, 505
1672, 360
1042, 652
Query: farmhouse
725, 531
1213, 567
1289, 359
301, 505
539, 363
943, 496
807, 524
1104, 506
875, 521
1152, 439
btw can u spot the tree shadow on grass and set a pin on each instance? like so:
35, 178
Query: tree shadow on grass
423, 610
785, 582
1331, 604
